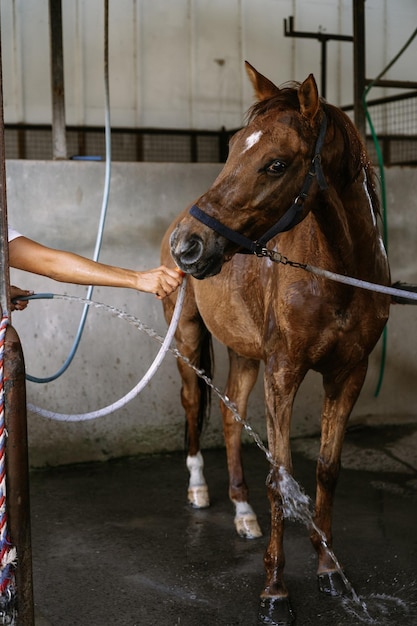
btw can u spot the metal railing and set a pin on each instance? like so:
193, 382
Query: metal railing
394, 119
395, 122
128, 144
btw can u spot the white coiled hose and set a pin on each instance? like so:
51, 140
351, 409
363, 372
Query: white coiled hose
81, 417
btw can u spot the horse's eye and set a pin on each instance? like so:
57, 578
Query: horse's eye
276, 168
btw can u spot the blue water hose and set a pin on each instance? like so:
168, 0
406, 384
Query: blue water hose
105, 202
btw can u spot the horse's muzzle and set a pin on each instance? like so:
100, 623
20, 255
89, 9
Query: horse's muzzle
195, 256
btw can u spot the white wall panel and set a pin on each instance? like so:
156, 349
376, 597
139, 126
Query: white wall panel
179, 63
165, 62
320, 16
88, 28
264, 44
25, 52
216, 75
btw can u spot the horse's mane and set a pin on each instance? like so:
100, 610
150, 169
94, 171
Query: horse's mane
351, 160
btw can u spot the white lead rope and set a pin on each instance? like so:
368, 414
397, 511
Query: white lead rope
277, 257
364, 284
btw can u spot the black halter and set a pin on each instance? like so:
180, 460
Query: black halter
291, 217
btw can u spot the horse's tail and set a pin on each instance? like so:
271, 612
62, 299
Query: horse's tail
206, 364
404, 287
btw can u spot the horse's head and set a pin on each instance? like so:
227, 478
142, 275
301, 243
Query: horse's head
265, 174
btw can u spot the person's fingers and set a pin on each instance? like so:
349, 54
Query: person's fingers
19, 305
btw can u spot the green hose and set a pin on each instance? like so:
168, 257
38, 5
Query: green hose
383, 190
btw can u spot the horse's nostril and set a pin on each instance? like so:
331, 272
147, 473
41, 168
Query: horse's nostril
190, 250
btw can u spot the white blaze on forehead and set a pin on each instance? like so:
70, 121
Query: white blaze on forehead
252, 140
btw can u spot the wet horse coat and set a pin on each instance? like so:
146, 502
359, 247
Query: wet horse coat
291, 320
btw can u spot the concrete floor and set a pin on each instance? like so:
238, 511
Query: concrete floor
116, 544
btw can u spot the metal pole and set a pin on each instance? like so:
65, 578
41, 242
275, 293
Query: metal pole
59, 141
359, 71
16, 458
323, 38
323, 67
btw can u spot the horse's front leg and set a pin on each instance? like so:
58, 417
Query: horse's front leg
242, 377
281, 386
193, 342
339, 400
194, 400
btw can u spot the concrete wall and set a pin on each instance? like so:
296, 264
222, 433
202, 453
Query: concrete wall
59, 204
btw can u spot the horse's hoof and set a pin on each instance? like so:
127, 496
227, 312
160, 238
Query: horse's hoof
276, 612
198, 497
333, 584
247, 526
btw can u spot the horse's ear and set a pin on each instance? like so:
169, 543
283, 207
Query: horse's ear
308, 97
263, 87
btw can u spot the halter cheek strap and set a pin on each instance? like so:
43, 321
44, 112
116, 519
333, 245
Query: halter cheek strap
288, 220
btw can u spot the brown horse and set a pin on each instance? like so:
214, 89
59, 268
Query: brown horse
299, 173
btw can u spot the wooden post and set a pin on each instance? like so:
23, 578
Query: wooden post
59, 141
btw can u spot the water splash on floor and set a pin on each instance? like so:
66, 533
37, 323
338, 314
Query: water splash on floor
297, 506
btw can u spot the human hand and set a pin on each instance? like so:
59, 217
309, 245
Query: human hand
15, 293
161, 281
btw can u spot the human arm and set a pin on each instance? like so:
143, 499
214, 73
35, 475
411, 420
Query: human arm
31, 256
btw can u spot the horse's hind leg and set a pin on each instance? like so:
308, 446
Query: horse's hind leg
242, 377
340, 398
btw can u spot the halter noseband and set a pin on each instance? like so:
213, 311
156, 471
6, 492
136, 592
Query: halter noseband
288, 220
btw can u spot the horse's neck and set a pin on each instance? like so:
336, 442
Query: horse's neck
348, 222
